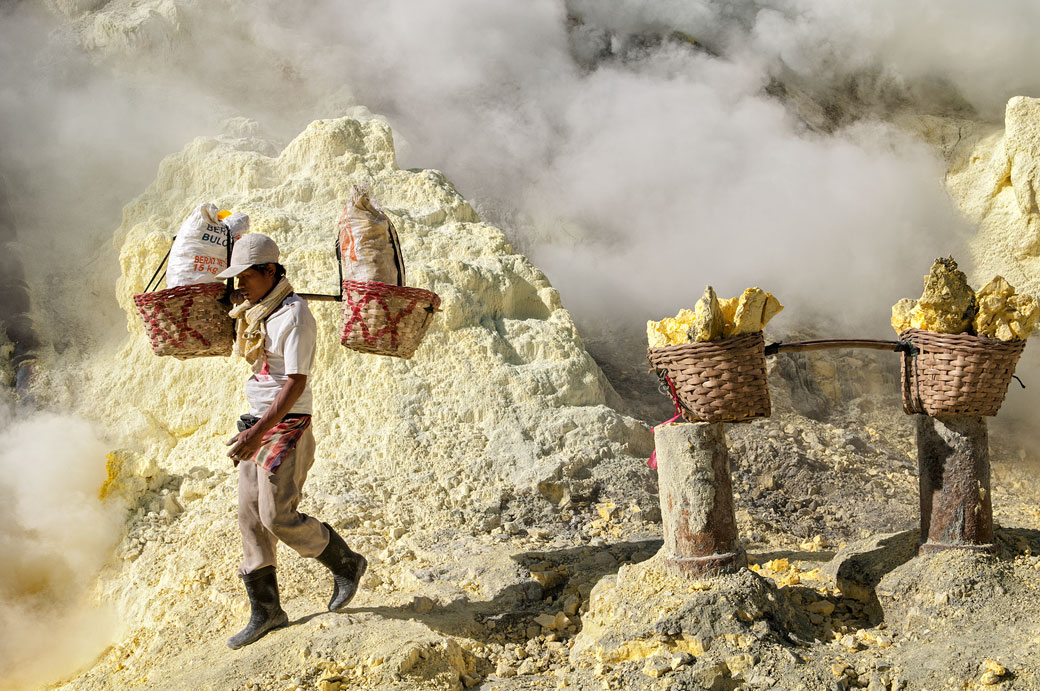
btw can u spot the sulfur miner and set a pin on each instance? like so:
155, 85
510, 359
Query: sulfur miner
274, 447
949, 305
712, 319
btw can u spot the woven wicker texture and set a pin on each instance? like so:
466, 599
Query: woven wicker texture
386, 319
957, 374
187, 321
717, 381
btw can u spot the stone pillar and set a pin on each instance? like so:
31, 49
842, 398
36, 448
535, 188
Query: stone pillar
953, 461
700, 528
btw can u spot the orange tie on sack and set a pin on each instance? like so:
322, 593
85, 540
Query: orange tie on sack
346, 236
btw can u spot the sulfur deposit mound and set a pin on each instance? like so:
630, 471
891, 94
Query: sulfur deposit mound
708, 632
994, 177
497, 427
712, 319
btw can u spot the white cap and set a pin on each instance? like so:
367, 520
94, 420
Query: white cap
251, 249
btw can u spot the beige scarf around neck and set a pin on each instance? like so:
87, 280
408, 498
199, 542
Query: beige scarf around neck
251, 321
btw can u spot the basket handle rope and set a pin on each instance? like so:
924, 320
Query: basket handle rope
911, 384
153, 280
430, 309
339, 266
652, 461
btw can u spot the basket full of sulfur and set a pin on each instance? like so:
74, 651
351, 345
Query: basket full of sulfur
712, 358
965, 344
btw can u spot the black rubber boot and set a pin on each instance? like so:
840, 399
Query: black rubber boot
266, 611
347, 569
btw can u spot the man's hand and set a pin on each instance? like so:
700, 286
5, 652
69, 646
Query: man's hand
245, 444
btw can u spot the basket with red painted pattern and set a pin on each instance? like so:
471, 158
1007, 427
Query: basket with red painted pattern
386, 319
188, 321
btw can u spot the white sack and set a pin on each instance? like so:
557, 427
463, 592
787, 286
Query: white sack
238, 224
369, 248
200, 250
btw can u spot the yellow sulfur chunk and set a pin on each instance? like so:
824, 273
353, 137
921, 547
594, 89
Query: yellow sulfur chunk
1003, 314
707, 322
670, 331
113, 466
948, 302
655, 337
754, 310
748, 318
1027, 314
771, 309
729, 313
901, 314
712, 319
992, 673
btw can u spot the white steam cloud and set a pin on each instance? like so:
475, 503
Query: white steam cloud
55, 536
984, 52
660, 168
634, 170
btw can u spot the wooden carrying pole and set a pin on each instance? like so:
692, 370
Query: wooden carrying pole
321, 298
832, 343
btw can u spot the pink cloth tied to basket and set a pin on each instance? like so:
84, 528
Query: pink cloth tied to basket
652, 461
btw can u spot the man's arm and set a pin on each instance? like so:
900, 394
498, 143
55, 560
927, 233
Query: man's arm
245, 444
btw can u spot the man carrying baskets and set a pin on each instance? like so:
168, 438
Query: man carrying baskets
274, 447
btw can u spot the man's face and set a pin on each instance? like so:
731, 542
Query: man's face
254, 284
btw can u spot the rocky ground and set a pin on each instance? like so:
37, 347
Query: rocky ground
562, 589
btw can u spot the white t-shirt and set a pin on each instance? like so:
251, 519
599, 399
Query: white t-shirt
291, 336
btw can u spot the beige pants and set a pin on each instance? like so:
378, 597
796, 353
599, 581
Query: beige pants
267, 512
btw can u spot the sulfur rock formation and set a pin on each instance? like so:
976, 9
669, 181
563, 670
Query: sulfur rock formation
500, 417
994, 176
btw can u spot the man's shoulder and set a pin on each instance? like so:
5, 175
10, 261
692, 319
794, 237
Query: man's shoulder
293, 310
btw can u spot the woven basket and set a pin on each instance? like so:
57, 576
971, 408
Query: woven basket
188, 321
386, 319
957, 374
717, 381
